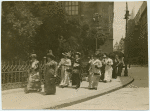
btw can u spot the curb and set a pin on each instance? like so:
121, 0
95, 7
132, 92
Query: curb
80, 99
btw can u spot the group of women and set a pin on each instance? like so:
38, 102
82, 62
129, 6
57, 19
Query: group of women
68, 65
103, 67
100, 67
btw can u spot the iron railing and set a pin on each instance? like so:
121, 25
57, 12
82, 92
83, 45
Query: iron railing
15, 74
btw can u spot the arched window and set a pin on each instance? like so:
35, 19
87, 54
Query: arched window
71, 7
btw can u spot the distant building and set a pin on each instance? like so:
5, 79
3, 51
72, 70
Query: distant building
96, 14
119, 46
116, 47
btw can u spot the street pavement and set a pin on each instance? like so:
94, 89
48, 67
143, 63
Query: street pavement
133, 97
17, 99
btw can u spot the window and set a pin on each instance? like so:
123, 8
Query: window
71, 8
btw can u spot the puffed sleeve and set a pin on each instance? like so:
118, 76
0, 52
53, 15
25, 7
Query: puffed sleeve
68, 62
99, 64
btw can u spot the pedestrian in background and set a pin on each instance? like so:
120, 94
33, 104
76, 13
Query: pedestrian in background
108, 68
115, 68
50, 73
65, 65
103, 67
120, 64
76, 72
94, 72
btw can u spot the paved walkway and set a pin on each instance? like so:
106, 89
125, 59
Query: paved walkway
17, 99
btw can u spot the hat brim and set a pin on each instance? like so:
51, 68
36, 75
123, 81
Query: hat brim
77, 53
33, 56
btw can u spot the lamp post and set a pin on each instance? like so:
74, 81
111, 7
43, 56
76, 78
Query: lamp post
96, 19
126, 17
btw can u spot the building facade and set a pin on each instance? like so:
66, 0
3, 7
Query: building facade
137, 37
95, 14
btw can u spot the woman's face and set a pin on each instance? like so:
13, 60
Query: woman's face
76, 56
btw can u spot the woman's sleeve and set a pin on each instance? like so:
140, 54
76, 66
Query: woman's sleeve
68, 63
60, 63
99, 64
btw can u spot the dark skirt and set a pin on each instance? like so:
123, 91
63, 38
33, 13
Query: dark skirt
120, 69
102, 72
50, 81
76, 79
93, 81
114, 73
50, 86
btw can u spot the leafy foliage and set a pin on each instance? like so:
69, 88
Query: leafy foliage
41, 26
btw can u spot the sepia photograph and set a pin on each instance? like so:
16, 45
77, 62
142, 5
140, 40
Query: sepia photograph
74, 55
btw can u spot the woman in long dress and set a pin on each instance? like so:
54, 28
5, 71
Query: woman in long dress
115, 68
94, 73
50, 72
76, 73
108, 68
120, 65
34, 82
65, 65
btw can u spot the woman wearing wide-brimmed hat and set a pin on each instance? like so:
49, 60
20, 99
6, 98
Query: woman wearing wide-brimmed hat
65, 65
76, 73
94, 72
34, 82
50, 72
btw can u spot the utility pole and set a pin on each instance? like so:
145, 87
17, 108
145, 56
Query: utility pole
126, 17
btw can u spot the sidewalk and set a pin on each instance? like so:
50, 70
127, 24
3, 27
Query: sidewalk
17, 99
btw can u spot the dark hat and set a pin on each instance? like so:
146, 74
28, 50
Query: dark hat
50, 54
78, 53
33, 55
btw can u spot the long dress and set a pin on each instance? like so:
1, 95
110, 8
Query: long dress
34, 82
76, 74
108, 69
94, 73
65, 65
50, 71
115, 71
120, 65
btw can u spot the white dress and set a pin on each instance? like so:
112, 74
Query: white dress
65, 64
108, 69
